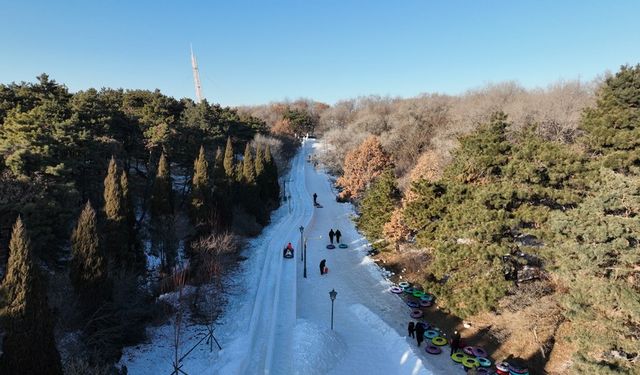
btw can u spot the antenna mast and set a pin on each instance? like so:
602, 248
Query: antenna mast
196, 76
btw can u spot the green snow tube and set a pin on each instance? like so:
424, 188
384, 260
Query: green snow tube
470, 362
439, 341
418, 293
458, 357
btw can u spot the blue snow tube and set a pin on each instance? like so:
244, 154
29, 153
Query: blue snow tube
430, 333
427, 297
331, 246
408, 290
484, 362
404, 284
343, 246
413, 304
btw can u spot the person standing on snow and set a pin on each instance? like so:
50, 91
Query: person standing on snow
315, 199
455, 342
419, 333
331, 234
322, 266
412, 329
338, 235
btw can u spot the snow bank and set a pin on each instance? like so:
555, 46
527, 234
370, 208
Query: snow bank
316, 349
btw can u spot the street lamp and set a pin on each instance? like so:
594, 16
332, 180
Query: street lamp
332, 295
301, 242
305, 259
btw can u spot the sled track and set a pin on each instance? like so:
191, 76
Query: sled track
267, 309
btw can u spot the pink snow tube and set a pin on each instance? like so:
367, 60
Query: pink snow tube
432, 349
416, 314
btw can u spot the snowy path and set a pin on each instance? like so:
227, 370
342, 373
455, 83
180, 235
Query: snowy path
278, 322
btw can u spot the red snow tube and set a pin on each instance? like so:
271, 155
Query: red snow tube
326, 270
432, 349
416, 314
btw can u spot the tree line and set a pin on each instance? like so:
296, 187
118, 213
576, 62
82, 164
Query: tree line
577, 196
92, 184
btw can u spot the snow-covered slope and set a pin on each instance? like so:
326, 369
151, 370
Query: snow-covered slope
278, 322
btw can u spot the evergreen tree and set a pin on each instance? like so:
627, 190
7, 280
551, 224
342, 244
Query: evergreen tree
29, 345
89, 265
239, 172
135, 255
162, 194
259, 162
164, 242
271, 172
229, 170
613, 125
200, 189
113, 197
378, 204
116, 242
248, 170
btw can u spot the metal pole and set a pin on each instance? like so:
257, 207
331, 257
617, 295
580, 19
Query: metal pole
332, 315
305, 259
301, 244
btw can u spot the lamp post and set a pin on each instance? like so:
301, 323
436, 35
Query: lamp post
332, 295
301, 242
305, 258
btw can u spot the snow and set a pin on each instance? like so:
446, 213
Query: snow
278, 322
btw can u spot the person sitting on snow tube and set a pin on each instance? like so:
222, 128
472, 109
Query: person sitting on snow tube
288, 251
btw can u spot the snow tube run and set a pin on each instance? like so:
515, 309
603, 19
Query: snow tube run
470, 362
425, 303
478, 352
413, 304
416, 314
418, 293
458, 357
331, 246
404, 284
395, 290
432, 349
440, 341
427, 297
430, 334
408, 290
468, 350
484, 362
343, 246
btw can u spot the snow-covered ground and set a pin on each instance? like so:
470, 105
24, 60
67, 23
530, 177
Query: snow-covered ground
278, 322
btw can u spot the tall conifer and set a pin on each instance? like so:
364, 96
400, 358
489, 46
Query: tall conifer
248, 172
29, 345
89, 265
228, 161
201, 190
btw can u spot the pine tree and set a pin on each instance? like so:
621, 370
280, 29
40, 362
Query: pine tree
378, 204
248, 170
613, 126
229, 170
113, 196
200, 190
259, 163
271, 179
162, 194
163, 241
239, 172
29, 345
135, 256
116, 242
89, 265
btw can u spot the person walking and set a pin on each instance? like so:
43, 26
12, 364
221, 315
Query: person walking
315, 199
455, 342
412, 329
331, 234
338, 235
323, 264
419, 333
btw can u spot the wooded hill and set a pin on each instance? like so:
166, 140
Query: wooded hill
95, 184
510, 197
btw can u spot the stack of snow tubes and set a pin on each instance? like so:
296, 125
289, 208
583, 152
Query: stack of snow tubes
473, 357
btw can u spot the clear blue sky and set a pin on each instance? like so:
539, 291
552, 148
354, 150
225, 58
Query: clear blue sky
254, 52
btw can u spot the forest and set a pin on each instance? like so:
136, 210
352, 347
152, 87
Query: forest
110, 198
519, 209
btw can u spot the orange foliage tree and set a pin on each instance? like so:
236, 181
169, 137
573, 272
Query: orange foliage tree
362, 166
